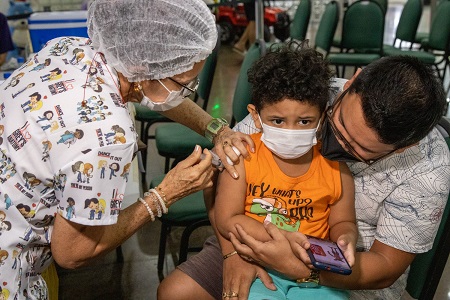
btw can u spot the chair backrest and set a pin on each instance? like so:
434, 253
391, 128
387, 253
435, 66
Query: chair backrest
383, 4
426, 268
363, 26
440, 28
299, 25
206, 76
327, 27
409, 21
242, 93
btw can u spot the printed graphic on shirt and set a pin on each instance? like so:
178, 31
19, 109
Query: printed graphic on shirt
283, 208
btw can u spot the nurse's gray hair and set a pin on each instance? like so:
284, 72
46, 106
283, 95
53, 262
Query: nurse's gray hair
152, 39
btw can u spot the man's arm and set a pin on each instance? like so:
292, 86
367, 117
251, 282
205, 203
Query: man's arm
342, 219
376, 269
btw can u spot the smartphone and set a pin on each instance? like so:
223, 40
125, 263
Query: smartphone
326, 255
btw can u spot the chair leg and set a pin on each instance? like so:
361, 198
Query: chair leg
119, 254
165, 229
184, 241
167, 165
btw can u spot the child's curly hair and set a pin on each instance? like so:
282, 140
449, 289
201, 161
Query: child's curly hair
292, 70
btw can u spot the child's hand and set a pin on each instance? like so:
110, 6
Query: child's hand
348, 246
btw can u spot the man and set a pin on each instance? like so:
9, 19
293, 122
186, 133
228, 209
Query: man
384, 119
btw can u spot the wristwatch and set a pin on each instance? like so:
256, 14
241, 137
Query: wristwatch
214, 127
311, 281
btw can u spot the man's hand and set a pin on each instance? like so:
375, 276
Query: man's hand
275, 254
238, 275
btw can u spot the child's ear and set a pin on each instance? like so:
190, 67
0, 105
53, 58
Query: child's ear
252, 110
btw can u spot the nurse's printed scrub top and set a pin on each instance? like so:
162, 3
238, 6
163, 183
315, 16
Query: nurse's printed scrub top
66, 142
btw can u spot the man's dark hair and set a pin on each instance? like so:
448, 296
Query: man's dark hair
293, 71
402, 99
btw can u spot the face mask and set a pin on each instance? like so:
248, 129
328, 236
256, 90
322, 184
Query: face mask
173, 100
288, 143
331, 149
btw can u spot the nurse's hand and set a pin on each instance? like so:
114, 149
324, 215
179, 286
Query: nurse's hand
231, 144
188, 176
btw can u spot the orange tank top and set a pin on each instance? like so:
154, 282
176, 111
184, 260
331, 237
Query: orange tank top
291, 203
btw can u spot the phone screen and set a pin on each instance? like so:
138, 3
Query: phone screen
326, 255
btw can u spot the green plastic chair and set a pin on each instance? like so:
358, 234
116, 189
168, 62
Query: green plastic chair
363, 28
176, 141
299, 25
383, 4
422, 36
436, 50
190, 212
327, 28
426, 268
407, 25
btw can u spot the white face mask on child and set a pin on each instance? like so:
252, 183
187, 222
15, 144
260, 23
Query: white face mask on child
288, 143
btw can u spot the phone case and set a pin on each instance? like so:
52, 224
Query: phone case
326, 255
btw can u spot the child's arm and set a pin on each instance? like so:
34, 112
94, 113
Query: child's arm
342, 218
229, 206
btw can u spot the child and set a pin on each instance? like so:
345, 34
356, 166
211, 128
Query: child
286, 181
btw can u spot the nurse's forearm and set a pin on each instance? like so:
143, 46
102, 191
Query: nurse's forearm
191, 115
74, 245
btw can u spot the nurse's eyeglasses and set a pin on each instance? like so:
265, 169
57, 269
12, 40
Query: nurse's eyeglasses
187, 89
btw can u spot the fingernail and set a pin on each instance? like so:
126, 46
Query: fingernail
235, 175
197, 147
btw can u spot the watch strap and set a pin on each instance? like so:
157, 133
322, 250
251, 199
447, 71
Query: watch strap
311, 281
214, 127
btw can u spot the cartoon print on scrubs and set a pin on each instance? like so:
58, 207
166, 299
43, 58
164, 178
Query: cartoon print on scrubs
70, 137
8, 201
93, 109
70, 209
35, 102
117, 136
94, 83
19, 137
47, 146
87, 172
61, 47
126, 171
102, 164
54, 74
30, 180
114, 167
4, 224
42, 66
78, 55
7, 168
29, 86
14, 80
92, 205
275, 212
48, 113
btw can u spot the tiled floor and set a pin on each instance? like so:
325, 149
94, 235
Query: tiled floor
136, 278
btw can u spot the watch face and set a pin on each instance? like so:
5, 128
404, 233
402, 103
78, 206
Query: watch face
214, 126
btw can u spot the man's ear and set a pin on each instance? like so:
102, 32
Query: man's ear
350, 81
252, 110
